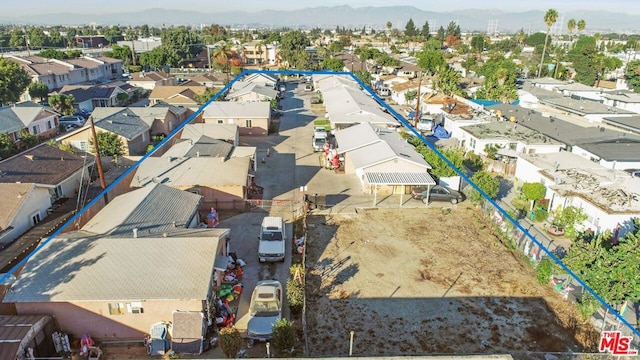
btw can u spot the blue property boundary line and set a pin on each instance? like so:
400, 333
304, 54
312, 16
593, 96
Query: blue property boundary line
398, 117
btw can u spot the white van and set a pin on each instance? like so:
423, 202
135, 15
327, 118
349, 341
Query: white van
271, 246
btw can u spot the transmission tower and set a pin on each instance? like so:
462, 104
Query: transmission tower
492, 28
558, 27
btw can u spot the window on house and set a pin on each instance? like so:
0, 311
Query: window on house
48, 125
248, 123
116, 309
513, 146
58, 191
472, 143
195, 191
220, 121
135, 308
144, 136
35, 219
35, 129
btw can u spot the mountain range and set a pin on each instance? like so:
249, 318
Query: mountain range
328, 17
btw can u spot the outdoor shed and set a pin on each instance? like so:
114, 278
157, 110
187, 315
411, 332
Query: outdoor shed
189, 332
26, 337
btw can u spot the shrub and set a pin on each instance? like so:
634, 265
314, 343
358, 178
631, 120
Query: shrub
543, 271
230, 341
295, 295
284, 337
540, 215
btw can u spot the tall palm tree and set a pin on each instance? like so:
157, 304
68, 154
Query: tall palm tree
550, 19
571, 25
581, 25
221, 54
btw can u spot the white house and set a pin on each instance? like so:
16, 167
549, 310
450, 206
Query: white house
625, 100
580, 91
506, 135
608, 197
23, 206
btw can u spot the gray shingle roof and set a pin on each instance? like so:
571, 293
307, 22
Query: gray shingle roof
122, 121
152, 210
80, 266
43, 164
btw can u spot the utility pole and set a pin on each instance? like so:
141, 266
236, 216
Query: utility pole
416, 117
133, 52
26, 40
103, 185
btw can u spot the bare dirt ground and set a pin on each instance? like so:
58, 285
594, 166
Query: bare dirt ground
429, 281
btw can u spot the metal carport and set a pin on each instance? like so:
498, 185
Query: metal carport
398, 179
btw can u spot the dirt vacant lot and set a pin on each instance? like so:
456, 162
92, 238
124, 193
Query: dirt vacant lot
429, 281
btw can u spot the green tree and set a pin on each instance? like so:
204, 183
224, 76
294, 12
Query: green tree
453, 29
28, 139
425, 32
603, 64
38, 89
479, 42
533, 192
410, 95
571, 26
333, 64
581, 26
62, 103
120, 52
184, 43
113, 34
17, 38
487, 182
439, 167
284, 337
430, 61
441, 35
144, 31
569, 217
55, 38
632, 74
550, 18
410, 29
230, 341
14, 80
71, 37
204, 97
364, 76
7, 146
109, 143
500, 79
583, 56
36, 37
448, 80
53, 54
159, 57
292, 49
389, 25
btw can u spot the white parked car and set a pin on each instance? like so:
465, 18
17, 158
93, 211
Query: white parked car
265, 309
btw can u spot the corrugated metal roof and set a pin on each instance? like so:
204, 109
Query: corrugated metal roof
387, 178
83, 267
355, 137
152, 210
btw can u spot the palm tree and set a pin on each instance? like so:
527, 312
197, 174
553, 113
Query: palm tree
221, 55
581, 25
389, 25
571, 25
550, 19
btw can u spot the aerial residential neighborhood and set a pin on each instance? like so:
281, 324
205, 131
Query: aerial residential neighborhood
404, 183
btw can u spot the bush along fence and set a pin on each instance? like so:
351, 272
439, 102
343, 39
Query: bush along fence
547, 257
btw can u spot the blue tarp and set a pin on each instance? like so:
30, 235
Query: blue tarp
440, 133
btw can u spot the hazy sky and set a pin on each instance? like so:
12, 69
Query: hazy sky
21, 8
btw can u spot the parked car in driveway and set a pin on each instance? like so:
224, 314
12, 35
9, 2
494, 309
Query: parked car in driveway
265, 309
71, 121
437, 193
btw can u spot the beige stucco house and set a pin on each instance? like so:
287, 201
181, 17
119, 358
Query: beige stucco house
252, 118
